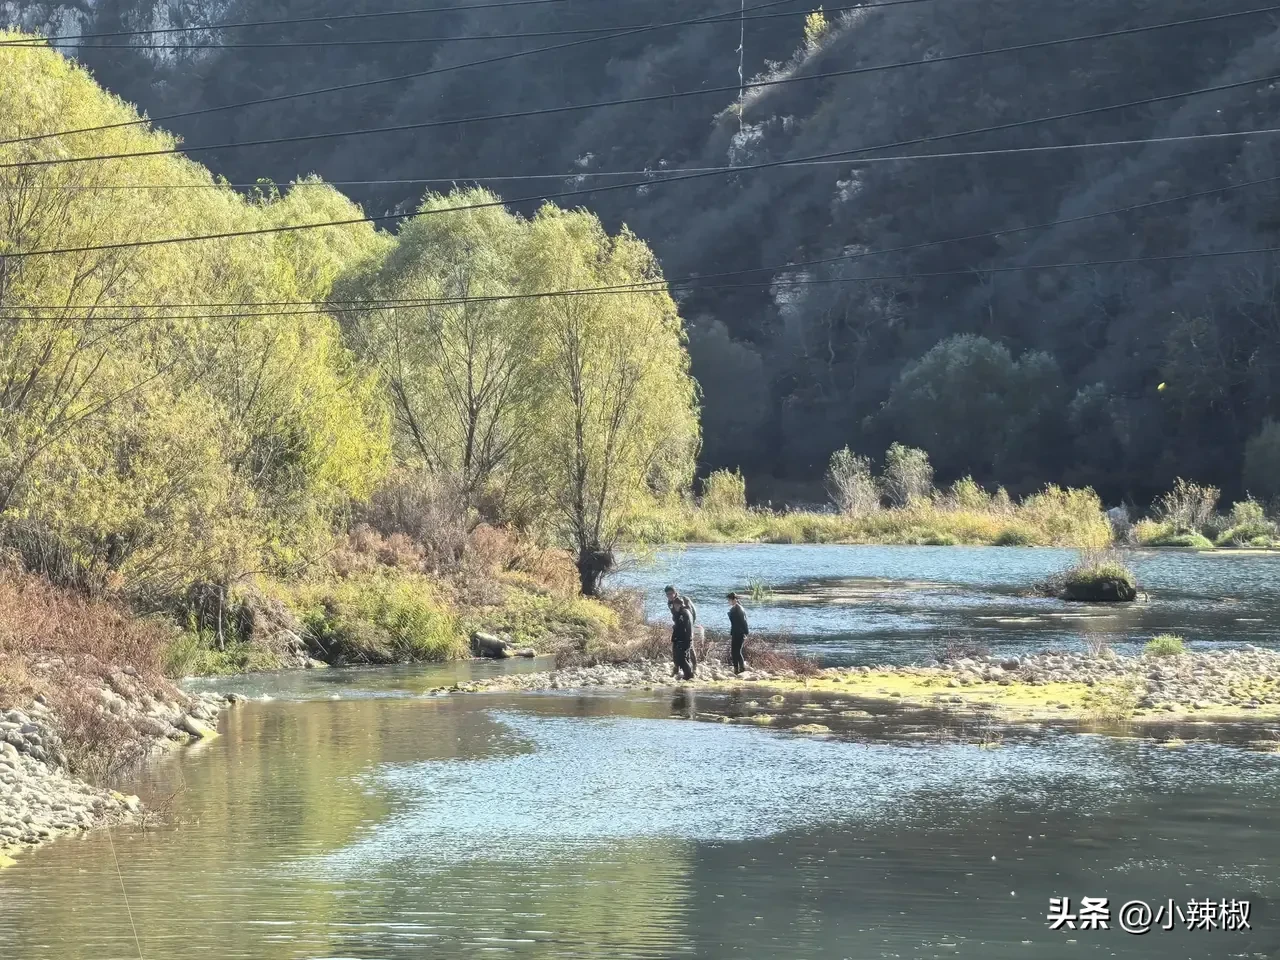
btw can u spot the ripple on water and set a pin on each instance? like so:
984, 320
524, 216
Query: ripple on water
599, 782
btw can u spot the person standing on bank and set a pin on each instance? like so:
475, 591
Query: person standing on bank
682, 638
738, 631
674, 602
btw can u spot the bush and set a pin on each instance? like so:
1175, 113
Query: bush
1098, 577
1188, 507
1248, 526
1164, 645
1151, 533
851, 485
725, 491
965, 494
1016, 537
908, 476
1068, 517
381, 619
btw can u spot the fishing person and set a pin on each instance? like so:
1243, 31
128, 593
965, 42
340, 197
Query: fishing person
738, 631
674, 603
682, 638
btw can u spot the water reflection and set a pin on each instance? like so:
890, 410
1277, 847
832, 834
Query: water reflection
606, 826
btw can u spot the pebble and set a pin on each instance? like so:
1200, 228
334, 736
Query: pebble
40, 799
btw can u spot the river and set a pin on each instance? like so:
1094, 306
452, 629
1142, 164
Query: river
873, 605
343, 816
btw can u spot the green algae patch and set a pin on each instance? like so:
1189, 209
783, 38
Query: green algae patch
811, 728
7, 861
1012, 700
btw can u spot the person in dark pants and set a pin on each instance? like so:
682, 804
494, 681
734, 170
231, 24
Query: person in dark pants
738, 631
674, 602
682, 640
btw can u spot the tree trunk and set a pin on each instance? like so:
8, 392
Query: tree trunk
593, 564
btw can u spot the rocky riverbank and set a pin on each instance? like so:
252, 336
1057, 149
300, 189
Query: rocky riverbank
49, 751
1105, 687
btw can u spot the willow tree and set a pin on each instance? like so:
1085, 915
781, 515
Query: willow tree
621, 418
161, 446
460, 360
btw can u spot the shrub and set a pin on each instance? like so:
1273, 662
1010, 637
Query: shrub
1097, 576
1248, 525
965, 494
428, 512
381, 619
1188, 507
851, 485
1016, 537
1151, 533
1068, 517
725, 491
908, 475
1164, 645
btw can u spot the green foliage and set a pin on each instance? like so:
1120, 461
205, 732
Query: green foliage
1164, 645
908, 475
541, 620
380, 618
724, 491
620, 420
851, 484
965, 494
1068, 516
193, 654
1188, 507
967, 401
1262, 461
758, 589
160, 450
816, 28
1151, 534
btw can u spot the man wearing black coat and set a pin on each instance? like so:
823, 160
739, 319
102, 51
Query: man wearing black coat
682, 638
738, 631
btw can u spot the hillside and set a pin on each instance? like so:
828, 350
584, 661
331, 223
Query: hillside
1065, 385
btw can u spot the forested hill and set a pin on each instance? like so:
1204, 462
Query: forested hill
1061, 378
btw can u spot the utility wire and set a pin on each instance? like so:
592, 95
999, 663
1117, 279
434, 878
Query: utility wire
362, 84
661, 286
328, 18
897, 158
56, 42
330, 305
261, 231
662, 97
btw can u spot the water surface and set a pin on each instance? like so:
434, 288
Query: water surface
875, 604
611, 827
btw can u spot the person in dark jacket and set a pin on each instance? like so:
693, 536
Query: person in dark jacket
682, 639
674, 603
738, 631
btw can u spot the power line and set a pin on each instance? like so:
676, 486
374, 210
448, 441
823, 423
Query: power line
657, 174
261, 231
897, 158
329, 18
361, 84
329, 305
663, 97
57, 42
661, 286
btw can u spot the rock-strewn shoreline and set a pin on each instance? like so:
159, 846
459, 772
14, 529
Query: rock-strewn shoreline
41, 798
1228, 684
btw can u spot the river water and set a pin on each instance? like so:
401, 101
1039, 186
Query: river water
872, 605
344, 816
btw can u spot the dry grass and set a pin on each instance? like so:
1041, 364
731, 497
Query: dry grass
60, 644
43, 623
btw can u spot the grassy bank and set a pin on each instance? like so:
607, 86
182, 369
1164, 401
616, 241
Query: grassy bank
964, 515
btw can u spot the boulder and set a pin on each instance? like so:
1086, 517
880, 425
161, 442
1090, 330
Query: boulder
1101, 590
487, 645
